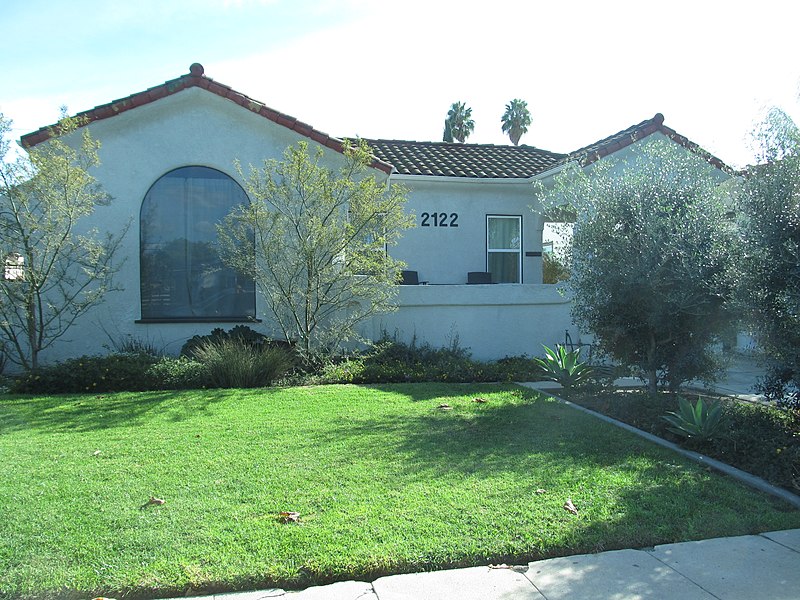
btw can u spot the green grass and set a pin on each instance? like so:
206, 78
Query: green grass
384, 481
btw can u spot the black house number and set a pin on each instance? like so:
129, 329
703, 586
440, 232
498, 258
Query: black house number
441, 219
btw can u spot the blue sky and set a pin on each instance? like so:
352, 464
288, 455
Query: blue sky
391, 69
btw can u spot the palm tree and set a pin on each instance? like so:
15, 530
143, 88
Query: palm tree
516, 120
460, 119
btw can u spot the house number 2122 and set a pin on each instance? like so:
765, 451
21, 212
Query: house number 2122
441, 219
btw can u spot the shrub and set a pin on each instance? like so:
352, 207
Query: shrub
700, 422
563, 367
554, 268
134, 345
241, 333
111, 373
181, 373
391, 361
781, 385
232, 363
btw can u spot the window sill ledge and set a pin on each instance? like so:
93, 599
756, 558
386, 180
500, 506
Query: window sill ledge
200, 320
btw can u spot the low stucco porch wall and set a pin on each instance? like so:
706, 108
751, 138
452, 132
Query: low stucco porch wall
491, 321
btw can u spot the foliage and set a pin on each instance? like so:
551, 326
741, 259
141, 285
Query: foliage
240, 333
554, 268
757, 438
516, 120
118, 372
181, 373
111, 373
56, 268
651, 257
384, 481
701, 421
136, 345
447, 136
394, 361
319, 258
459, 122
233, 364
769, 208
781, 385
563, 367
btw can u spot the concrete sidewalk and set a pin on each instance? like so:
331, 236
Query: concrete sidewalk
738, 568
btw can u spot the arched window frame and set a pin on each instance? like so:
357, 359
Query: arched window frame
171, 297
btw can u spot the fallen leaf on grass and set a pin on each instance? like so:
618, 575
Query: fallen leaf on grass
540, 491
153, 502
444, 407
289, 517
97, 453
480, 400
570, 507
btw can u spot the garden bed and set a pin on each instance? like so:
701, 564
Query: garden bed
758, 438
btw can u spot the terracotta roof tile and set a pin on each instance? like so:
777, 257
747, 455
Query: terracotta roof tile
481, 161
196, 78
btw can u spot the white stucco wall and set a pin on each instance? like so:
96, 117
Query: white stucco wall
491, 321
195, 127
446, 254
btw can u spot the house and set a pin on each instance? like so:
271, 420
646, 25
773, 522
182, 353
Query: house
168, 161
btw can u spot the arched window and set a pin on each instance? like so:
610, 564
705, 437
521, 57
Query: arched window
182, 275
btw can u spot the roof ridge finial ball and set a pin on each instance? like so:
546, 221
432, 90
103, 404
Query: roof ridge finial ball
196, 69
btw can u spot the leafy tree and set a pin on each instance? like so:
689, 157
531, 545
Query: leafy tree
554, 268
769, 205
319, 258
447, 136
651, 259
55, 267
516, 120
459, 118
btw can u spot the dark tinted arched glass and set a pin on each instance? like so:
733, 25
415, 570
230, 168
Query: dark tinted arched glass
182, 275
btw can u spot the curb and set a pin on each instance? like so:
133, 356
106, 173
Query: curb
744, 477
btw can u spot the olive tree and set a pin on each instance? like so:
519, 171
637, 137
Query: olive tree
651, 257
315, 242
768, 200
55, 268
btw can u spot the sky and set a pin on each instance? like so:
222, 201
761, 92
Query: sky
391, 69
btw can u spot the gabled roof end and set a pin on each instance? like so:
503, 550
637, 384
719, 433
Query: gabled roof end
196, 78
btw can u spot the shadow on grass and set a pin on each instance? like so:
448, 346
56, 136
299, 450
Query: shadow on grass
664, 499
102, 411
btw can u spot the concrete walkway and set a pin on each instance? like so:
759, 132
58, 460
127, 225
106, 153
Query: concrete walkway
746, 567
739, 568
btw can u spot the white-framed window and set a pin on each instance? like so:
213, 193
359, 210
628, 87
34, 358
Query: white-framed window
14, 268
504, 248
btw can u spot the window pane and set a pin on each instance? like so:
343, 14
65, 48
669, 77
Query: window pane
503, 233
504, 267
182, 274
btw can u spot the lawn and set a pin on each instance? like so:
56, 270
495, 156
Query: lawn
384, 482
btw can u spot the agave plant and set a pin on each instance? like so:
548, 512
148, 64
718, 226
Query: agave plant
563, 366
701, 421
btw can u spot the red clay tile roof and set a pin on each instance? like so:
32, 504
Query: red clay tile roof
626, 137
489, 161
480, 161
196, 78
